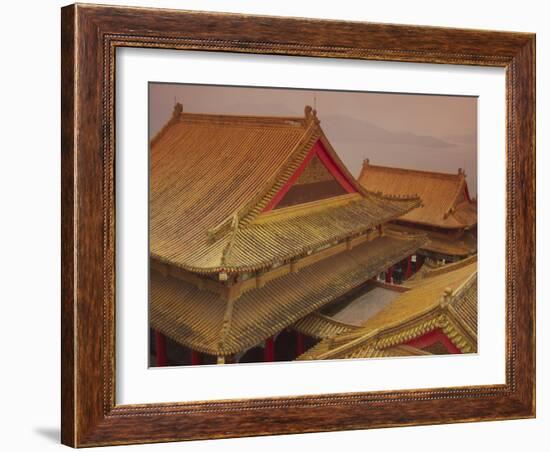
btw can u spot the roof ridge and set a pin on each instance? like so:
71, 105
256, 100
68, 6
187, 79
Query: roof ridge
226, 254
221, 118
178, 115
307, 208
393, 197
226, 325
465, 285
460, 187
438, 174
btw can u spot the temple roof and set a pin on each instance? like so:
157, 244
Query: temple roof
430, 270
445, 301
321, 326
349, 313
445, 202
203, 321
442, 243
213, 177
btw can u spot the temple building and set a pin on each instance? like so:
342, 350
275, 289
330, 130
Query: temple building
435, 313
255, 223
448, 215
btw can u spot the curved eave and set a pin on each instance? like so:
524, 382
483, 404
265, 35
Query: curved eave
438, 225
259, 246
195, 318
414, 314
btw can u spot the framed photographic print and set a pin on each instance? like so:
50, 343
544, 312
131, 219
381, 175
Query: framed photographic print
278, 225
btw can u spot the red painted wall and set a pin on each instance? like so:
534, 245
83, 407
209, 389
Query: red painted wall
431, 338
319, 150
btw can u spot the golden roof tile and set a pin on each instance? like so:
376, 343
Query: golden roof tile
443, 243
427, 271
321, 326
195, 318
447, 301
444, 203
211, 177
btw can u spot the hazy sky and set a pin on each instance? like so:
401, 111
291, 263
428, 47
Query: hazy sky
411, 131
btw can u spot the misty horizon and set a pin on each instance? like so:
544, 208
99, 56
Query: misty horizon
414, 131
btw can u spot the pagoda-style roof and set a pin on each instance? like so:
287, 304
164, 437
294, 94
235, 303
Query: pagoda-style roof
445, 199
202, 321
442, 243
431, 269
348, 314
223, 197
446, 301
321, 326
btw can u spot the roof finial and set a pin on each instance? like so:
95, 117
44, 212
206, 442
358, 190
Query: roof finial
447, 297
311, 114
178, 109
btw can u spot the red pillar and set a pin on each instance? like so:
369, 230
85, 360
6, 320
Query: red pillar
269, 350
160, 344
389, 274
408, 273
196, 358
299, 344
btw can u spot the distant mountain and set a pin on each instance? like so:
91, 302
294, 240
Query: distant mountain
463, 138
352, 130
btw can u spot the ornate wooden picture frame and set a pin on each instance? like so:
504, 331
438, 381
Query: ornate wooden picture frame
90, 37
